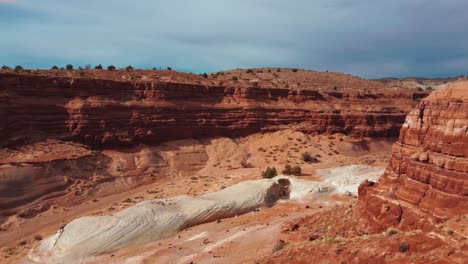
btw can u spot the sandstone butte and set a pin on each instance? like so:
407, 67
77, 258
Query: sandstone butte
119, 108
427, 179
415, 213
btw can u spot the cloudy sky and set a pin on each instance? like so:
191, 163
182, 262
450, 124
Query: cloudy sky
368, 38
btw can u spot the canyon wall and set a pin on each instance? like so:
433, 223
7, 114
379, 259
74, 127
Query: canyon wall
105, 112
427, 179
59, 128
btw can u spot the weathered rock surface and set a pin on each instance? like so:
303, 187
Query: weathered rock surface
119, 111
427, 179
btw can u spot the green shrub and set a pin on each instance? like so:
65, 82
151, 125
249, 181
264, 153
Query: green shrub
88, 66
169, 68
404, 247
69, 67
249, 71
269, 173
392, 231
98, 67
307, 157
4, 67
205, 75
287, 170
296, 170
235, 78
295, 70
111, 68
129, 68
18, 68
55, 67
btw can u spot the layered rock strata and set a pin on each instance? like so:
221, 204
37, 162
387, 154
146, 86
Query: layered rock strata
427, 179
106, 112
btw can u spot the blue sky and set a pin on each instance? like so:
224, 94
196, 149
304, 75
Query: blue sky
367, 38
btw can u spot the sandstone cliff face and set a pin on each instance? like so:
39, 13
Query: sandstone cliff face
427, 179
42, 111
105, 112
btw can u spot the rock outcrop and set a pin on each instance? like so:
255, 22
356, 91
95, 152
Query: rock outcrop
100, 111
427, 179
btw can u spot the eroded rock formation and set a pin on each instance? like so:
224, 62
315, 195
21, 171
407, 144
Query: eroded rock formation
427, 179
118, 112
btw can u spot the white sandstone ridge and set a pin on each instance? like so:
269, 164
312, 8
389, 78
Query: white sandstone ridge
346, 179
152, 220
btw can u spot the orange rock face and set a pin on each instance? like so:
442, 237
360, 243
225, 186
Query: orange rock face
427, 179
119, 111
108, 109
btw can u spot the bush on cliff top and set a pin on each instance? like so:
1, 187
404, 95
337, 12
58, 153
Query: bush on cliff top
288, 170
69, 67
269, 173
98, 67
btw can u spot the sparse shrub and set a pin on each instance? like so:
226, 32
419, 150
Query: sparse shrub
129, 68
169, 68
128, 200
38, 237
295, 70
307, 157
279, 246
429, 88
98, 67
154, 68
205, 75
69, 67
450, 232
278, 70
22, 243
87, 66
296, 170
18, 68
392, 231
249, 71
287, 170
235, 78
4, 67
255, 84
404, 247
269, 173
55, 67
111, 68
419, 89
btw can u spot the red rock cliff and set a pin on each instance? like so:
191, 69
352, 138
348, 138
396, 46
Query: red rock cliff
427, 179
113, 112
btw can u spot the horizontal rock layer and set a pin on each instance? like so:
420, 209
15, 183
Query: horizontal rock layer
427, 179
115, 113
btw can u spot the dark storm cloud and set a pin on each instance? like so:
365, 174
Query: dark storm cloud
365, 38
